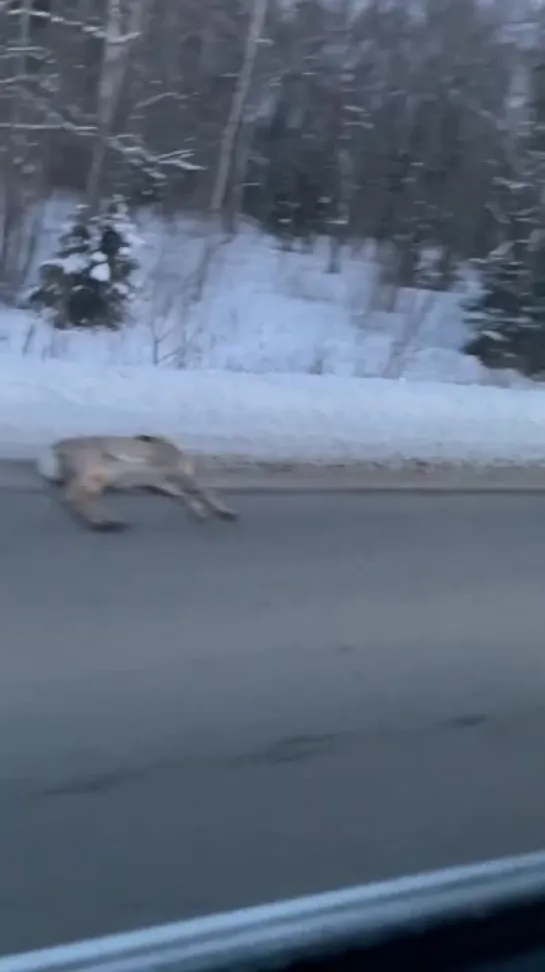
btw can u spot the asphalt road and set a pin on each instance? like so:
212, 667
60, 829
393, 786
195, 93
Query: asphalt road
197, 717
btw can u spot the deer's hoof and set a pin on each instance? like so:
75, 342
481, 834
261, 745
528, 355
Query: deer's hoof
109, 526
229, 516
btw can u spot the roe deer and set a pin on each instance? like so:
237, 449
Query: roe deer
87, 466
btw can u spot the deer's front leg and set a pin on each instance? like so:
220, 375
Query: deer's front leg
172, 487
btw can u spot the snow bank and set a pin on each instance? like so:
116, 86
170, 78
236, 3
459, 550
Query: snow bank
271, 417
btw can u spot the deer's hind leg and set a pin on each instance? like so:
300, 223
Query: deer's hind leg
81, 493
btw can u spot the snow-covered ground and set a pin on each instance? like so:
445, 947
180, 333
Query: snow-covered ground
263, 310
280, 360
276, 417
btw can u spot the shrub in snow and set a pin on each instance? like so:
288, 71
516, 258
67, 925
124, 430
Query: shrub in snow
509, 313
88, 282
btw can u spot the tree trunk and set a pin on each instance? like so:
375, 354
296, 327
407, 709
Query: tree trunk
228, 143
117, 49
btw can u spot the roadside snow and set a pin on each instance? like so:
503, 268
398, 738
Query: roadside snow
275, 417
279, 361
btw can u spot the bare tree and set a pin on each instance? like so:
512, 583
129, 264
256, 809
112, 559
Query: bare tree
228, 141
119, 39
346, 115
21, 168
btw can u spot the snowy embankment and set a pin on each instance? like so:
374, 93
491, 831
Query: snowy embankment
277, 418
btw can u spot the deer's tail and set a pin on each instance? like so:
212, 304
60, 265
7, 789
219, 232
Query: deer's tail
49, 465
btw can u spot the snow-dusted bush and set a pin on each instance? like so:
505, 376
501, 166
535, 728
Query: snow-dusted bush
88, 282
508, 316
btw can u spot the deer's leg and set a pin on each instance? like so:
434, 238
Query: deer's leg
215, 504
82, 493
171, 487
206, 497
202, 502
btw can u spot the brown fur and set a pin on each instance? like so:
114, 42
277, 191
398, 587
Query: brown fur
88, 466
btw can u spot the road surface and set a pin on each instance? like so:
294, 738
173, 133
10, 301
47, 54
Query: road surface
198, 717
